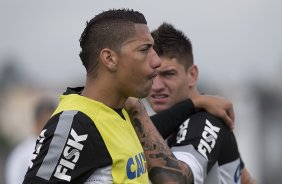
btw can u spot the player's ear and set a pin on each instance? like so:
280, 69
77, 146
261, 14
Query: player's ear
193, 73
108, 58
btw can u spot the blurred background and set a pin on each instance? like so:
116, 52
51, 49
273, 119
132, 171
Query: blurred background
237, 47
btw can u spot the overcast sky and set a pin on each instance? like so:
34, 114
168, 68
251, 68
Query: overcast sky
233, 41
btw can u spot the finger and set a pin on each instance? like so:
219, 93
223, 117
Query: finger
228, 120
230, 113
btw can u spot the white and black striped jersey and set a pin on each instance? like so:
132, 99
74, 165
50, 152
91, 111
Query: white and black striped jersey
66, 149
209, 148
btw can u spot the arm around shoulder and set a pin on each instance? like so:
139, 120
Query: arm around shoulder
218, 106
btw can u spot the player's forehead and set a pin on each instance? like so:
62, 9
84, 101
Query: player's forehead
141, 35
169, 64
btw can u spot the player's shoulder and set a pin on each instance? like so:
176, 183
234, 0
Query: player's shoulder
69, 137
202, 118
69, 125
70, 118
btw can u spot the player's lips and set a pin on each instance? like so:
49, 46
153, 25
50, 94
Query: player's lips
159, 98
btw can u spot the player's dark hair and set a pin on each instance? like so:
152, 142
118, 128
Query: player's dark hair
172, 43
108, 29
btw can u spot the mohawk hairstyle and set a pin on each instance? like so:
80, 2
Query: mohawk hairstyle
108, 29
172, 43
126, 14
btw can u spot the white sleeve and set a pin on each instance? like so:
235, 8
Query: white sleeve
194, 160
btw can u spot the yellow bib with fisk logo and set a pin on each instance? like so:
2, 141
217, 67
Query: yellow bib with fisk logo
129, 163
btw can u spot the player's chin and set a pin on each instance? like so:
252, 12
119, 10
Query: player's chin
146, 90
158, 107
143, 93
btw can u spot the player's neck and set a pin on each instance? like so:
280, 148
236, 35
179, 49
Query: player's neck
194, 92
104, 91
